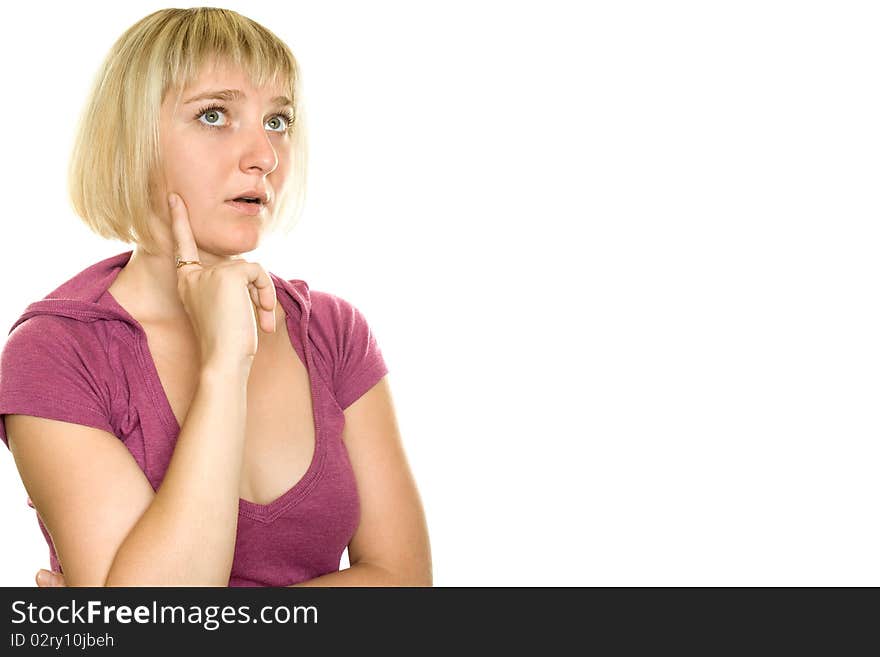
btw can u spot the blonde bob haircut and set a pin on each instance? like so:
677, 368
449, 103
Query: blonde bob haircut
115, 155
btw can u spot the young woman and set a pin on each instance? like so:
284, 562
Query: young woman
180, 416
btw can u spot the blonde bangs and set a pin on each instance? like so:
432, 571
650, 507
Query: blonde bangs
115, 154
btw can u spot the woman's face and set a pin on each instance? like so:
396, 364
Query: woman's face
210, 157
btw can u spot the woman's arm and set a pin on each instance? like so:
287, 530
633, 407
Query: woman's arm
392, 536
391, 546
362, 574
187, 535
183, 534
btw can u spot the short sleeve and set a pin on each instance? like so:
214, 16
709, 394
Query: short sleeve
358, 363
51, 368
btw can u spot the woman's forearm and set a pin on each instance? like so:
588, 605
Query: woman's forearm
365, 574
186, 537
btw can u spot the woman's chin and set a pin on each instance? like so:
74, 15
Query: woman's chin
233, 243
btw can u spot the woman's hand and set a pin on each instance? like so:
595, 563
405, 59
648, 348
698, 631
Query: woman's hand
223, 301
49, 578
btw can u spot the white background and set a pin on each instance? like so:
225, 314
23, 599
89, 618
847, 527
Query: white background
620, 258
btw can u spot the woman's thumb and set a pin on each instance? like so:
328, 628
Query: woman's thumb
45, 578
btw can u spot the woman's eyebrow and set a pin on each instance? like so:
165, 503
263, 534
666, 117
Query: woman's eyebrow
230, 95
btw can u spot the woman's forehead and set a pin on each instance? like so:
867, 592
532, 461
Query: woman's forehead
228, 76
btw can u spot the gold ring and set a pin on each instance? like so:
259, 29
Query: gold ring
181, 263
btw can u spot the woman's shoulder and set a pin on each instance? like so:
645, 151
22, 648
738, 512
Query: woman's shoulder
341, 332
327, 304
326, 309
337, 316
49, 335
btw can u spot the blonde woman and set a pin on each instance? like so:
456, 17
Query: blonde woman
180, 416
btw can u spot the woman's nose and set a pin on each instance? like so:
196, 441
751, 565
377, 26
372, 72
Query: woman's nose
258, 151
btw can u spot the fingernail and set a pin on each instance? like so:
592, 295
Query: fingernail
42, 578
172, 200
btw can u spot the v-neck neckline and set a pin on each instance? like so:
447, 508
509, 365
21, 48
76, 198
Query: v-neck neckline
260, 512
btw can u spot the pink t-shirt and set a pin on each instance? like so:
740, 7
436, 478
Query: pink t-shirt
78, 356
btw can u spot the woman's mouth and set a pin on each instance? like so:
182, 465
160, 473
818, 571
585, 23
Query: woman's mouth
246, 207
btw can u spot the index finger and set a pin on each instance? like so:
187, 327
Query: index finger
184, 242
261, 285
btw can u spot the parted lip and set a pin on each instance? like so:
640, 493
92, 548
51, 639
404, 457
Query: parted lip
253, 193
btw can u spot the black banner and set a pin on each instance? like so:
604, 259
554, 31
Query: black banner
134, 620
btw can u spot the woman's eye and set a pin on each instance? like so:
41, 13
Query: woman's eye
211, 114
281, 121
